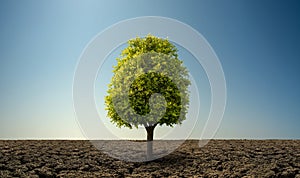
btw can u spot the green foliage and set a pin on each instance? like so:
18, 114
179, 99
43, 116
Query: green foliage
146, 67
140, 46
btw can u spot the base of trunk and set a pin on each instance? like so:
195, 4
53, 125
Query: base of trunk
150, 131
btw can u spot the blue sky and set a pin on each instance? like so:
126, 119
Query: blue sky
257, 42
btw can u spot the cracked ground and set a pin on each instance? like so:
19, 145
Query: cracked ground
219, 158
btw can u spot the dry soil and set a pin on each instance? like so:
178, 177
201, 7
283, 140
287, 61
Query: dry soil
219, 158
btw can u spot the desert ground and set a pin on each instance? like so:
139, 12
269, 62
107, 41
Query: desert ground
218, 158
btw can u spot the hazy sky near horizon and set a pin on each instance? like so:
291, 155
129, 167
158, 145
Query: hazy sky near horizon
257, 42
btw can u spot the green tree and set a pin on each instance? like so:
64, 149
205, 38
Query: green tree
149, 86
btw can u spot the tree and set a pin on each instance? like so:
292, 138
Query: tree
149, 86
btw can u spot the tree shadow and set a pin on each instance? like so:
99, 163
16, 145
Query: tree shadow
175, 159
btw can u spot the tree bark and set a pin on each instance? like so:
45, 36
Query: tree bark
150, 133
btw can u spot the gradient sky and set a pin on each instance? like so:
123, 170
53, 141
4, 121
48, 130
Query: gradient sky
257, 42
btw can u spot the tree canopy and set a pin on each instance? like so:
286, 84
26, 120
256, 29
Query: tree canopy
149, 86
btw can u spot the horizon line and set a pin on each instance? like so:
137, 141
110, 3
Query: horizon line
82, 139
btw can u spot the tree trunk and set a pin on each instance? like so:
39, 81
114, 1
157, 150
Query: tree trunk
150, 131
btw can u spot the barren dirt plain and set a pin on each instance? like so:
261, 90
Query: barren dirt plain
219, 158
